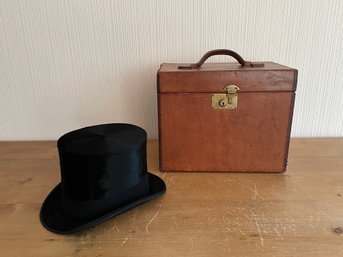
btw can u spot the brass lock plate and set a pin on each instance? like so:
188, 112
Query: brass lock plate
226, 101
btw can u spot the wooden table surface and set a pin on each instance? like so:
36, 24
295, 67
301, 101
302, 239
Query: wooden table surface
297, 213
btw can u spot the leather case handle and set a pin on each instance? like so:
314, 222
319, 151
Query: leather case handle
221, 52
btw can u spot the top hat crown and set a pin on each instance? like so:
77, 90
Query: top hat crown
103, 173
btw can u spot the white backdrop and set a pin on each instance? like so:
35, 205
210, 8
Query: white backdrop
69, 64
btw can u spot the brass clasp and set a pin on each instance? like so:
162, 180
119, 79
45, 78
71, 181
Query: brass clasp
226, 101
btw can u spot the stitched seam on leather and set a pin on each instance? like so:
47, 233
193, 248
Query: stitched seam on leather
289, 131
295, 81
159, 124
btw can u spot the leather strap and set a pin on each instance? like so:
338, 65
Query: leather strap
221, 52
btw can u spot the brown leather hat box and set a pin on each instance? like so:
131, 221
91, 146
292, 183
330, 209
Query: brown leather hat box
229, 117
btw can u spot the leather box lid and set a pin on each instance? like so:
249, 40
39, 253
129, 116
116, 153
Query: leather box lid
213, 77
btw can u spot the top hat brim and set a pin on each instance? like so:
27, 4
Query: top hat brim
54, 219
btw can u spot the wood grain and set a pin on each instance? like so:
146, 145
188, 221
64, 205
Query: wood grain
298, 213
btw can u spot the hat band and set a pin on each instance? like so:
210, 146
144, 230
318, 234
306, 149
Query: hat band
112, 200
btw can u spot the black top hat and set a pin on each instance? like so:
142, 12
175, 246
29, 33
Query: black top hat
103, 173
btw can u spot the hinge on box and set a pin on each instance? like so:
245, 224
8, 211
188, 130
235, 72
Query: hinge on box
226, 101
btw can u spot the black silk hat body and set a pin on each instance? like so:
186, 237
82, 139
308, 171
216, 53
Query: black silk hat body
103, 174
